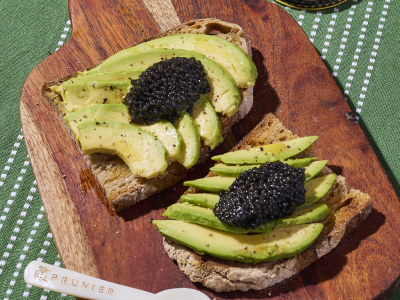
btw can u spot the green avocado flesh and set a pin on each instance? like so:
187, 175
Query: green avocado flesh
204, 200
223, 88
169, 137
204, 216
236, 170
116, 112
124, 75
267, 153
271, 246
164, 130
143, 152
191, 140
315, 188
227, 54
313, 169
82, 94
207, 122
211, 184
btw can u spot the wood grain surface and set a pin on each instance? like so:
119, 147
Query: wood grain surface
293, 83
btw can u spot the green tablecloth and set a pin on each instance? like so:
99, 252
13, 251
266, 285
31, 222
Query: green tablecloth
358, 40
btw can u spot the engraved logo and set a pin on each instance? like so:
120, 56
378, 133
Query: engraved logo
39, 274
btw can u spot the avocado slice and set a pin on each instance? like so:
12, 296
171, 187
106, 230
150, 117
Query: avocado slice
299, 162
313, 169
116, 112
211, 184
191, 140
124, 75
169, 137
271, 246
143, 153
236, 170
164, 130
203, 200
207, 123
267, 153
227, 54
224, 95
315, 188
82, 94
204, 216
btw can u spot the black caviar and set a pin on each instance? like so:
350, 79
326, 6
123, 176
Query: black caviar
165, 89
262, 194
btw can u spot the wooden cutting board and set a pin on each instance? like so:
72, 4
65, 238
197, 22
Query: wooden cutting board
293, 83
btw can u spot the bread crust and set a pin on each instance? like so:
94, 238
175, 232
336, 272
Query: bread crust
121, 187
348, 209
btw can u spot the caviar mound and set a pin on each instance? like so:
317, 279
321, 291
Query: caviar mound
166, 89
260, 195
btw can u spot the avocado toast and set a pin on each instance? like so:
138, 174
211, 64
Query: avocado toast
121, 186
348, 208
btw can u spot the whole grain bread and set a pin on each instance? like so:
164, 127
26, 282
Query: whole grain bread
122, 188
348, 208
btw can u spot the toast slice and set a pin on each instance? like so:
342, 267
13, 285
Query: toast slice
122, 188
348, 209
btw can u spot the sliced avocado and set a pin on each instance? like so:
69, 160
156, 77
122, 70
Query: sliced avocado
223, 87
313, 169
203, 200
267, 153
300, 162
143, 153
236, 170
116, 112
211, 184
317, 188
125, 75
191, 140
227, 54
209, 201
207, 123
204, 216
169, 137
164, 130
232, 170
82, 94
307, 214
280, 243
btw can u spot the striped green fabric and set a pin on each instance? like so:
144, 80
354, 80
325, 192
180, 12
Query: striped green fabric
29, 32
358, 41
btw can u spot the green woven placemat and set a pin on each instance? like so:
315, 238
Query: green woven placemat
29, 32
356, 41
